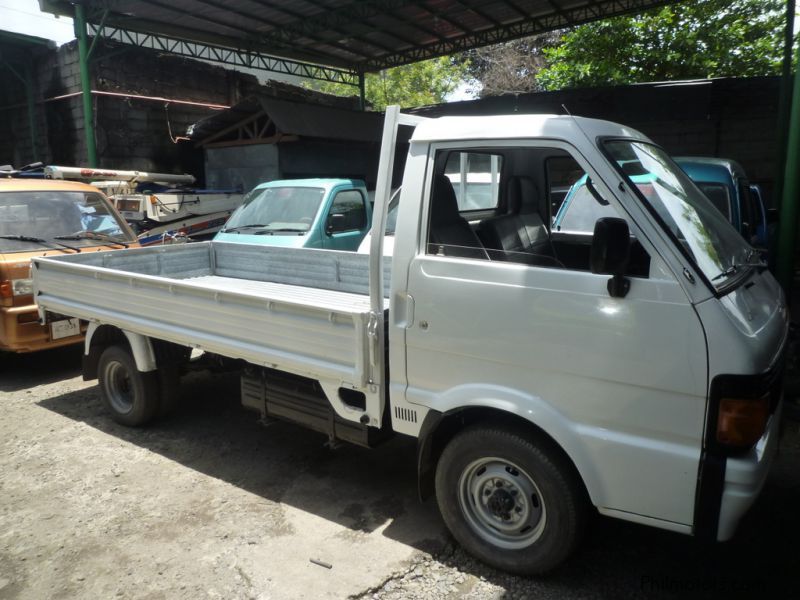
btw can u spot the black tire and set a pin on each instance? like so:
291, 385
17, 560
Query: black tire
132, 397
534, 507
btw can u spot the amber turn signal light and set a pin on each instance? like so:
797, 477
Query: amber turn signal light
741, 421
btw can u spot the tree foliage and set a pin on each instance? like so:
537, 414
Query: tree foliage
705, 38
417, 84
509, 68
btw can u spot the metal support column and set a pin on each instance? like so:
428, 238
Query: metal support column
784, 101
31, 101
362, 93
791, 192
86, 88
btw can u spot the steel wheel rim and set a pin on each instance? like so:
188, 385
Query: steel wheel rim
119, 387
501, 503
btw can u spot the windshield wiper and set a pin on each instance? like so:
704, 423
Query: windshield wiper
732, 270
91, 235
282, 230
240, 227
36, 240
758, 263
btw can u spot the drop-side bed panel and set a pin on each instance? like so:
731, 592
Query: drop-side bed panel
263, 314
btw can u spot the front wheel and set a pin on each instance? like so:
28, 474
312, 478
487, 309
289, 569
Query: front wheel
132, 397
513, 504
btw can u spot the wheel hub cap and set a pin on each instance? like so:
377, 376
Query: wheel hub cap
501, 503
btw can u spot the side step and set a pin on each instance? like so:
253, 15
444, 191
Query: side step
300, 400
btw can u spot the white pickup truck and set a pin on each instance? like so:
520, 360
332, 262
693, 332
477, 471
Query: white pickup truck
635, 369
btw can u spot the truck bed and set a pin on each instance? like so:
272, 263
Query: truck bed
299, 310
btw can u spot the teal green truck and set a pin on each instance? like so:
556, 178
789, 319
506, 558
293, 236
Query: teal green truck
331, 214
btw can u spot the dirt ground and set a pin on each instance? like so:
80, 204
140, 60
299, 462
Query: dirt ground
208, 503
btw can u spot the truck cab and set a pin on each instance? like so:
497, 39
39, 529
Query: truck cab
331, 214
47, 218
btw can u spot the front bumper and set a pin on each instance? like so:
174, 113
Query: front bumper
745, 477
28, 336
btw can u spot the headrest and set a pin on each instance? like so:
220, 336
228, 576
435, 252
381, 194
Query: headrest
521, 195
444, 207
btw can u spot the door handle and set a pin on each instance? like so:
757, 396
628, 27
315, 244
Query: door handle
404, 311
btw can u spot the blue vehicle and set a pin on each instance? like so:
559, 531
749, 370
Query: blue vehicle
332, 214
725, 183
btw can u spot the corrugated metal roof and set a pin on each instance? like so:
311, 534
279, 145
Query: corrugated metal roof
363, 35
295, 118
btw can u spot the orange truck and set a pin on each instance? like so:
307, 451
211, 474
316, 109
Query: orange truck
40, 217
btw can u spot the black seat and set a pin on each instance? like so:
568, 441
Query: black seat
520, 235
450, 233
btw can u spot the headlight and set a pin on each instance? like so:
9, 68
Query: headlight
22, 287
128, 205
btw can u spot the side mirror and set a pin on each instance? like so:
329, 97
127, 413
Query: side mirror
772, 215
611, 249
336, 222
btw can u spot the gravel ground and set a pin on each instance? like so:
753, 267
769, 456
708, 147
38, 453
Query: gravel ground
209, 504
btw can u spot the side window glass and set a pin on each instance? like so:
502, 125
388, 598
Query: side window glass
350, 204
538, 180
579, 208
748, 212
562, 173
449, 233
476, 179
577, 205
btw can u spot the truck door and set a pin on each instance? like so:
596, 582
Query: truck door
346, 221
520, 330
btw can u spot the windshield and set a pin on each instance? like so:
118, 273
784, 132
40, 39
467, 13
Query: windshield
701, 229
278, 209
50, 214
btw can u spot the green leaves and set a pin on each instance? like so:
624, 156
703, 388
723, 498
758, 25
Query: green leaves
706, 38
688, 40
417, 84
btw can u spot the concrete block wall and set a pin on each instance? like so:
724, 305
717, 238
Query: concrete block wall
16, 146
130, 132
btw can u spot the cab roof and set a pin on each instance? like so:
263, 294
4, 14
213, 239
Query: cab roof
321, 182
708, 168
498, 127
41, 185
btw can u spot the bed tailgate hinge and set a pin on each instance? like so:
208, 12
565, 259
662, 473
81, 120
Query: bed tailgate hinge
373, 330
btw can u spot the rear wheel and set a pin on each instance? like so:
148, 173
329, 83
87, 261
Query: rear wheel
132, 397
514, 504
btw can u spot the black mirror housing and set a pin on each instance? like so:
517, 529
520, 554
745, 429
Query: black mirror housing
772, 215
611, 249
336, 222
